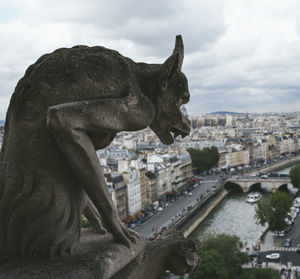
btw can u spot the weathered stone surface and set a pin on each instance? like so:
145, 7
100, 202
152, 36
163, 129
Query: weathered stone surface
100, 257
68, 104
172, 252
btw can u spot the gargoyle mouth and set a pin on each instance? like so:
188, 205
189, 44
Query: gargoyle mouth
177, 132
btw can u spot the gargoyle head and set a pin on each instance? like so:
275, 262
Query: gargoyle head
169, 122
184, 258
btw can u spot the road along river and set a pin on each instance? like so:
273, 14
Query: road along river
233, 215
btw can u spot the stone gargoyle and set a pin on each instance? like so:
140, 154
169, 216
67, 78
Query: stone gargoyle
70, 103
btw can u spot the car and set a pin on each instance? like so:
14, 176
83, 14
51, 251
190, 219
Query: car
132, 226
294, 209
296, 204
288, 222
160, 209
296, 200
287, 228
190, 194
287, 243
273, 256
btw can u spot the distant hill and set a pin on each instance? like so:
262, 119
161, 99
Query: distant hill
227, 112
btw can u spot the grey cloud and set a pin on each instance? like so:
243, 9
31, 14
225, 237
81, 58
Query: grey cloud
149, 24
239, 54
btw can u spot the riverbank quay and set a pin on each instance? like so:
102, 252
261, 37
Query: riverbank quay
182, 208
285, 163
199, 209
177, 210
197, 215
194, 214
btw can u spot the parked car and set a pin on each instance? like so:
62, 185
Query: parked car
297, 199
132, 226
190, 194
160, 209
273, 256
296, 202
294, 209
287, 243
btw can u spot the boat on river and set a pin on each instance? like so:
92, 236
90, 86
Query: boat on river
253, 197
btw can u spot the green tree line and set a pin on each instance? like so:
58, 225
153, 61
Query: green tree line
274, 210
221, 259
295, 176
204, 159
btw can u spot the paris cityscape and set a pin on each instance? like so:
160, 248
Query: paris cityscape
156, 187
145, 139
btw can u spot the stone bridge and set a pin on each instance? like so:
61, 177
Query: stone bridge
246, 182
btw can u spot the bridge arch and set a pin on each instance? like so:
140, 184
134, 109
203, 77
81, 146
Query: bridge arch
231, 186
255, 187
283, 187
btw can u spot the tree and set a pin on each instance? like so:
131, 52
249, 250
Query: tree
204, 159
274, 210
220, 258
295, 176
259, 273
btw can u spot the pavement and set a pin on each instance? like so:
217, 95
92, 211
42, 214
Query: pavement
174, 209
271, 244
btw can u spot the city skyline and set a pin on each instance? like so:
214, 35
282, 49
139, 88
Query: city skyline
239, 56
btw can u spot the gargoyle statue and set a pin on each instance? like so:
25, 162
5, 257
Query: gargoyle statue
70, 103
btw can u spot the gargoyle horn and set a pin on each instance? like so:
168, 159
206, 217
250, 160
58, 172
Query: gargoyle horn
179, 48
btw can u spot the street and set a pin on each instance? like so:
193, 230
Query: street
173, 209
276, 245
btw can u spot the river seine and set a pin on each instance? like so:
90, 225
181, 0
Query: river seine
232, 216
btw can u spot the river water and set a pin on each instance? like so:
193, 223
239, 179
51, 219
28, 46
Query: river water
232, 216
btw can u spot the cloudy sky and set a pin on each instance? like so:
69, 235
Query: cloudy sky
240, 55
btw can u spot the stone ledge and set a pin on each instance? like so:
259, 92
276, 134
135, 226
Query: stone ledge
97, 256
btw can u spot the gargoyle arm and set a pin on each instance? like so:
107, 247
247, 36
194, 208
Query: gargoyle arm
71, 124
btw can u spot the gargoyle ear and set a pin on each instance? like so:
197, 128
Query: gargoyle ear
179, 48
174, 62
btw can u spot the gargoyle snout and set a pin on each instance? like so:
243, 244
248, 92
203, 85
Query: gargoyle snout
186, 97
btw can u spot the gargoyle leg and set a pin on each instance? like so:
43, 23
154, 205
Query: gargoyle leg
71, 124
92, 215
